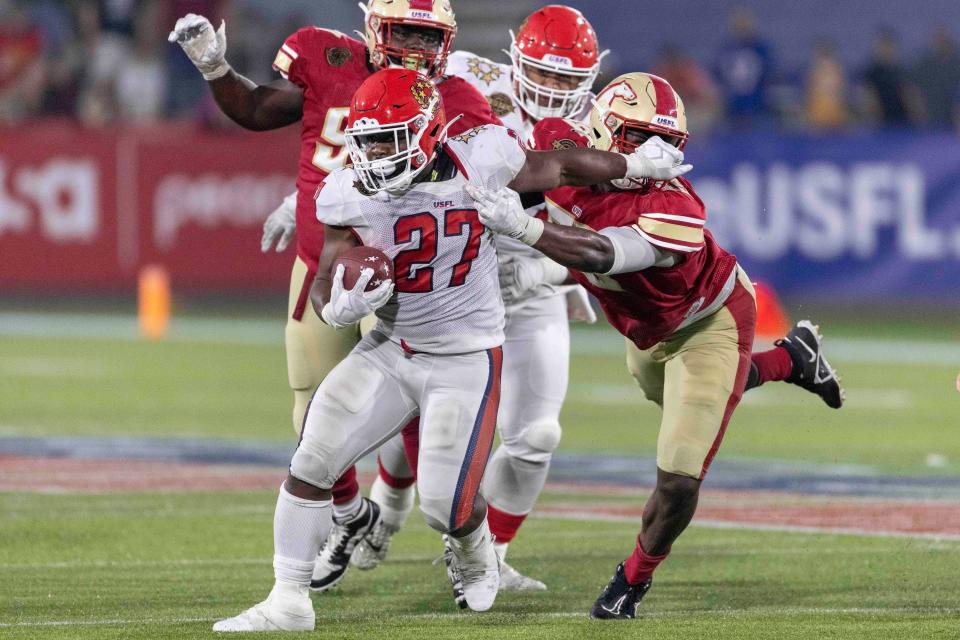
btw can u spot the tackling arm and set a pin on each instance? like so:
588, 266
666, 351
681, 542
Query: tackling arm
257, 107
336, 241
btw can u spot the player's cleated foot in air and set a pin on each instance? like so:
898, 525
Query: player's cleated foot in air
811, 371
513, 580
290, 611
372, 550
619, 599
474, 573
334, 558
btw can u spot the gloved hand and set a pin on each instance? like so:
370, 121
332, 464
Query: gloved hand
281, 223
348, 306
654, 159
206, 48
519, 276
501, 212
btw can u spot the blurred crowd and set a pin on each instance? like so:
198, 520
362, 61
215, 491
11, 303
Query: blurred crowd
107, 61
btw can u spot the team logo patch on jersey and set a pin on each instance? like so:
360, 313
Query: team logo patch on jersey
422, 92
501, 104
363, 190
485, 70
563, 143
469, 133
338, 56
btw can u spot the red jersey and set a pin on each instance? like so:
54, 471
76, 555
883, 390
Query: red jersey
329, 66
646, 306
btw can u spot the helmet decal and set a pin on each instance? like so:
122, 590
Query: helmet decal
422, 92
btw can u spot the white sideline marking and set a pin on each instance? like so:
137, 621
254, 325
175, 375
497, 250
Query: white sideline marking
784, 528
534, 616
586, 342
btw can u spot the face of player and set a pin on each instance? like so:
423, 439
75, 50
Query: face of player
551, 80
380, 146
411, 38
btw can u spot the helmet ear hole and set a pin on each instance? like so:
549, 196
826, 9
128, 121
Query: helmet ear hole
435, 130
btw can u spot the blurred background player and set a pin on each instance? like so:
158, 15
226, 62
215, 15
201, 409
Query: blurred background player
321, 70
685, 306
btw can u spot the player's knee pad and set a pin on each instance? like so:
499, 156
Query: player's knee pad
315, 464
536, 443
436, 512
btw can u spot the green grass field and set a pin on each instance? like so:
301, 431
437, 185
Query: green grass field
165, 565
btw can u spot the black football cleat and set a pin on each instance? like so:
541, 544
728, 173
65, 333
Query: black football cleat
334, 558
619, 599
811, 371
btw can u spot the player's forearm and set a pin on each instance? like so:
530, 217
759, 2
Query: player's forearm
546, 170
256, 107
576, 248
320, 290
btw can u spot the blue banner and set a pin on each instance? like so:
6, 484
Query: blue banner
844, 218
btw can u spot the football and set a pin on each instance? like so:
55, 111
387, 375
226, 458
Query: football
364, 258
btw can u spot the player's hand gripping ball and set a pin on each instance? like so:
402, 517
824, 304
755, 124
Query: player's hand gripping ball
364, 258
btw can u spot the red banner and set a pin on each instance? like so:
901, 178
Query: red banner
84, 210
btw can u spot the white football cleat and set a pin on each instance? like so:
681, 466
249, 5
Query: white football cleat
513, 580
477, 570
372, 550
279, 612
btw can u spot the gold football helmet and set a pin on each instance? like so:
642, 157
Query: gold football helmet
634, 107
388, 21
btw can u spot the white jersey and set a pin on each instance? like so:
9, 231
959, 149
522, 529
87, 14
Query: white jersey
495, 81
445, 262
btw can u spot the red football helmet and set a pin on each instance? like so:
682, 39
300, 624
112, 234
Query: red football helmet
395, 125
554, 40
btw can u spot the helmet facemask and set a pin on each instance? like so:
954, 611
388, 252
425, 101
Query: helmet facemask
393, 172
539, 101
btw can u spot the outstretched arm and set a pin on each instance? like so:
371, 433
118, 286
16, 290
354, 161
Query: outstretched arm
252, 106
546, 170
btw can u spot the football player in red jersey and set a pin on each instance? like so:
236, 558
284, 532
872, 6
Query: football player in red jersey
684, 305
321, 69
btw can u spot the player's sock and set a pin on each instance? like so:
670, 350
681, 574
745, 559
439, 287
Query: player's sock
641, 565
769, 366
346, 488
395, 497
503, 525
346, 510
299, 526
411, 443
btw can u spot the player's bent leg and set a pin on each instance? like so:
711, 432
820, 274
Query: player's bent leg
313, 348
705, 373
535, 376
458, 420
393, 491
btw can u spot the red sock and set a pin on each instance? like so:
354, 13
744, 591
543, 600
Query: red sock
772, 365
394, 481
346, 488
640, 565
411, 443
503, 525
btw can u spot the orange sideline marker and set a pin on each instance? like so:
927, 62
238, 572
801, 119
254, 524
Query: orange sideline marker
153, 298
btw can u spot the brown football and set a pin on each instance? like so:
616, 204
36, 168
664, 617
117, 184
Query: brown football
364, 258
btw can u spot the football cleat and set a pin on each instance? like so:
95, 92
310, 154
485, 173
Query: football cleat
619, 599
372, 550
475, 572
513, 580
334, 558
276, 613
453, 574
811, 371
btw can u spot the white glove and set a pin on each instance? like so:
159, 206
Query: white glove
283, 223
347, 307
501, 212
206, 48
519, 276
654, 159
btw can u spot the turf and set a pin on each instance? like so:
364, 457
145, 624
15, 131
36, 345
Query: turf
165, 566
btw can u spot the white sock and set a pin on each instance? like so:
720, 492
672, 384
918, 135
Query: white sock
470, 542
299, 526
501, 549
347, 510
395, 504
513, 484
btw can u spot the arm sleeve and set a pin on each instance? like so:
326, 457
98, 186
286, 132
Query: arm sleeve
334, 207
675, 222
631, 252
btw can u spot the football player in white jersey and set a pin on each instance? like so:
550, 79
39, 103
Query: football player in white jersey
436, 348
555, 59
